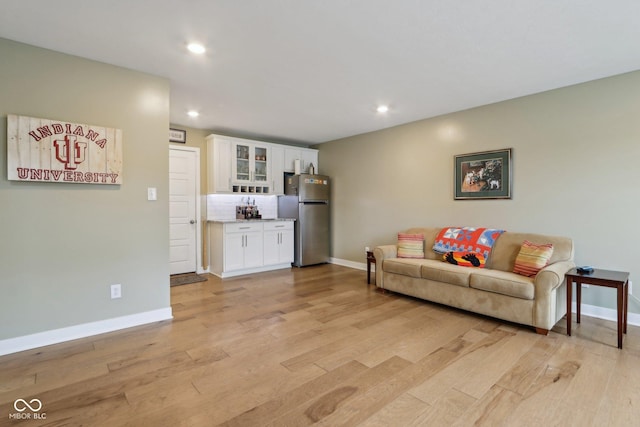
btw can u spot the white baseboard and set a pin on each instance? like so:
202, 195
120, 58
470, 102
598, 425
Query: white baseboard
55, 336
352, 264
226, 274
604, 313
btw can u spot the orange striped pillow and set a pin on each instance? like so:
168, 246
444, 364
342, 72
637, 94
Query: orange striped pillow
410, 245
532, 258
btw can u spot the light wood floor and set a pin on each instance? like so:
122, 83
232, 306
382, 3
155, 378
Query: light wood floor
317, 345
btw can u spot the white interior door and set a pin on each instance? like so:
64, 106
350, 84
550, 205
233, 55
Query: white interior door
182, 211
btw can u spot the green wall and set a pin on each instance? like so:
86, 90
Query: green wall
575, 173
63, 245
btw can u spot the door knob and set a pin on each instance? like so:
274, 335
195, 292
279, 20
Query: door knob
193, 221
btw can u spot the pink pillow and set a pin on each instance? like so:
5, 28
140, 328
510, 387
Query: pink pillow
410, 245
532, 258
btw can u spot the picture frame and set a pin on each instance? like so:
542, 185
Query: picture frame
177, 135
483, 175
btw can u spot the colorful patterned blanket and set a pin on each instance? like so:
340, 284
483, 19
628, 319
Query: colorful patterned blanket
466, 239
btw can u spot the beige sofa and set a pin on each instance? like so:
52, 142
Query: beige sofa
494, 291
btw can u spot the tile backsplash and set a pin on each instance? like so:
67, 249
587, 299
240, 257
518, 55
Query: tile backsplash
222, 207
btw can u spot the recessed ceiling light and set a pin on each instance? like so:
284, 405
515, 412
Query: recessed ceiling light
196, 48
193, 113
382, 109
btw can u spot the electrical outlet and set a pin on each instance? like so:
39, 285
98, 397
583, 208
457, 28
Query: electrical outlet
366, 248
116, 291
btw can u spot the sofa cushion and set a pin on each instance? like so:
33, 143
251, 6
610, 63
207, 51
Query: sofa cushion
410, 245
507, 247
532, 258
447, 273
406, 266
502, 282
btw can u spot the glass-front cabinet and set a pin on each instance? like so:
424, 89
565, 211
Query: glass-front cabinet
250, 168
260, 164
243, 166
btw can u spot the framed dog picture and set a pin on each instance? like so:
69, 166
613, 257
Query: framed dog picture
485, 175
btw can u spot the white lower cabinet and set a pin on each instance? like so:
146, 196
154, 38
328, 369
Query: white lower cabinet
278, 242
250, 247
242, 249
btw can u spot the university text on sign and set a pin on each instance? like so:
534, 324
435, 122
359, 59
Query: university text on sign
55, 151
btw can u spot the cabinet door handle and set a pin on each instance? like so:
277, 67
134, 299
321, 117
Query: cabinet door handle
243, 228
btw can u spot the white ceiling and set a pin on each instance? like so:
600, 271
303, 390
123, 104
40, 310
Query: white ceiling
311, 71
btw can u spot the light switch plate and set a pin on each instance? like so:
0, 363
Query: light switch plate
152, 193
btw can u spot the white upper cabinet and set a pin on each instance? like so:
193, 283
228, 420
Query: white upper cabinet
309, 157
218, 164
237, 165
277, 169
306, 156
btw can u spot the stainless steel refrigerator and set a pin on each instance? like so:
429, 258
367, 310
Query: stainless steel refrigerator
306, 200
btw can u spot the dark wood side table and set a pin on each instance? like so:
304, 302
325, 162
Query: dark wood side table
370, 259
608, 278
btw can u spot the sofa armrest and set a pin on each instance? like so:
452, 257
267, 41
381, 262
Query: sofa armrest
546, 313
384, 252
381, 253
552, 276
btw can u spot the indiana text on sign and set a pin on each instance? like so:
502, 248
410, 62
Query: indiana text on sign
45, 150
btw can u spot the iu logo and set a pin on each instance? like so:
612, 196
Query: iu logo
70, 152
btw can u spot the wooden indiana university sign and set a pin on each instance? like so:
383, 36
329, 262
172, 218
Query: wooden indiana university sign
56, 151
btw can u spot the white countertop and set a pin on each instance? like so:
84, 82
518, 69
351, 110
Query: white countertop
227, 221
